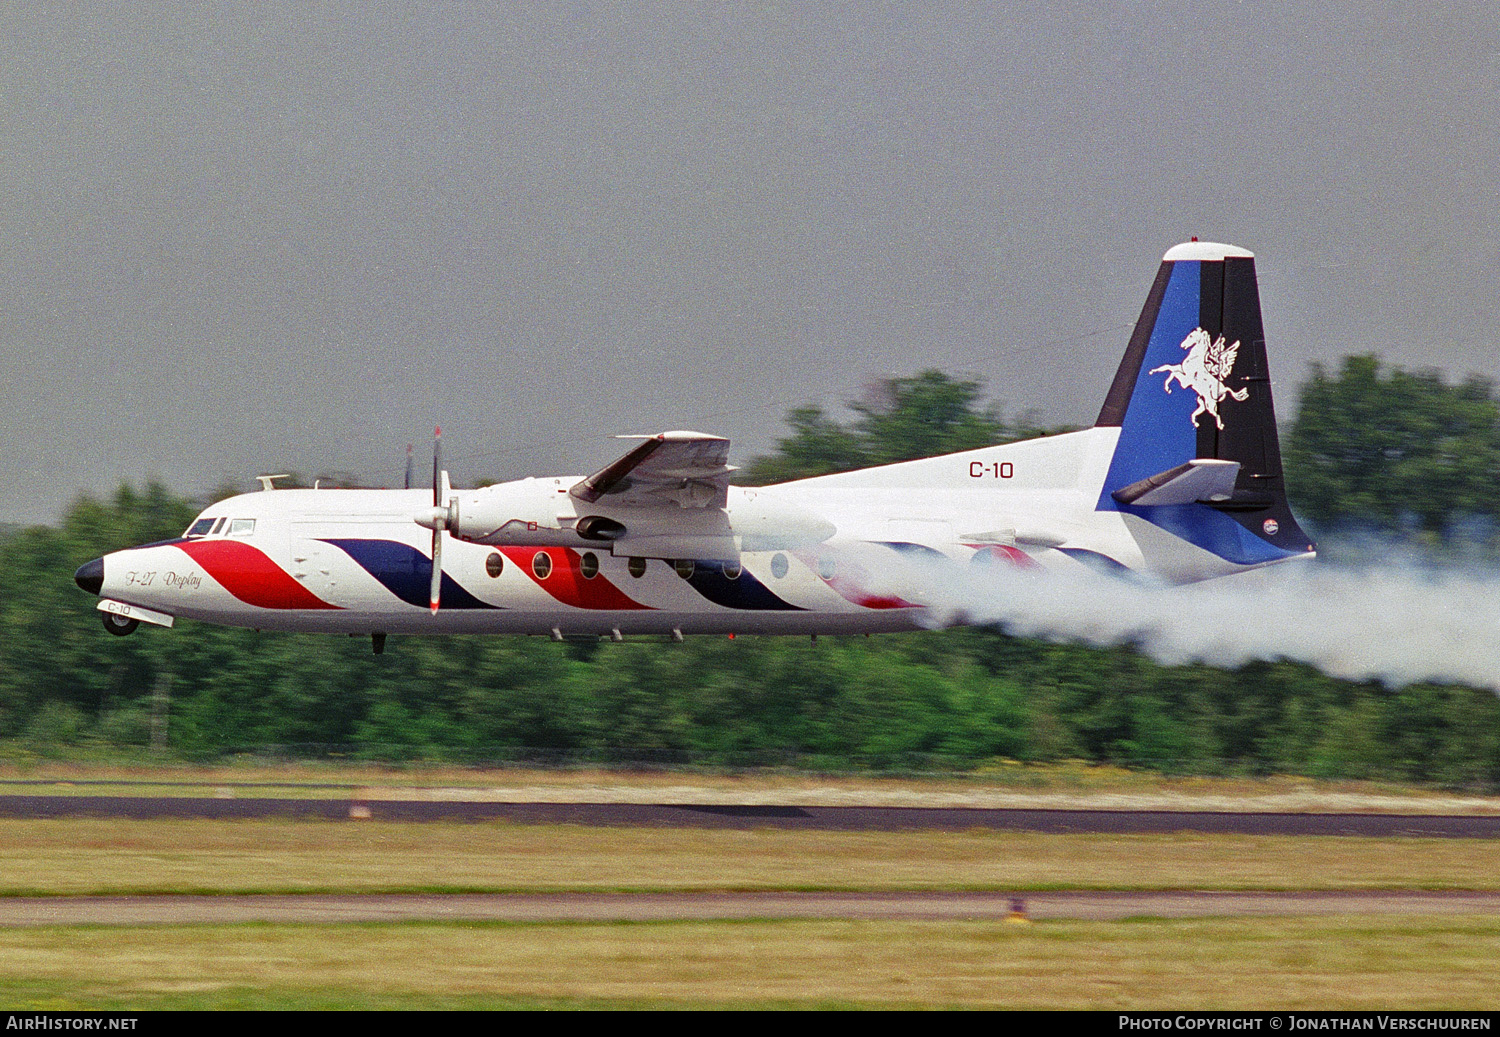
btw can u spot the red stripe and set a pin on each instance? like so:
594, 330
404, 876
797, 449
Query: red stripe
250, 575
566, 583
1005, 553
847, 583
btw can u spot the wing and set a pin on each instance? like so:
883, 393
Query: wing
1220, 360
688, 469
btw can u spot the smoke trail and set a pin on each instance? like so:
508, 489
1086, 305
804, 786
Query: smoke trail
1398, 623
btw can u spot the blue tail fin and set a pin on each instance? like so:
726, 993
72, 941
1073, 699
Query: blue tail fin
1195, 384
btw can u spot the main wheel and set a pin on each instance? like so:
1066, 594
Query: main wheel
119, 625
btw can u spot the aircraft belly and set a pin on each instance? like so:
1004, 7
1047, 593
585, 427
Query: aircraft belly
602, 624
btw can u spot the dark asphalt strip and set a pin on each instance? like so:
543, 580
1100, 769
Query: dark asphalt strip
828, 818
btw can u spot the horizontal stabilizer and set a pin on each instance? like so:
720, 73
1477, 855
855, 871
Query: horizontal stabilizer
1201, 479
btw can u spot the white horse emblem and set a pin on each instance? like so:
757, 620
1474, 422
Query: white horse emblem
1203, 370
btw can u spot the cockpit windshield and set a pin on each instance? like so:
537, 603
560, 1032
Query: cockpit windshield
221, 526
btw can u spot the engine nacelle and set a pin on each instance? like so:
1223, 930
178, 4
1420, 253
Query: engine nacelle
523, 513
541, 513
763, 522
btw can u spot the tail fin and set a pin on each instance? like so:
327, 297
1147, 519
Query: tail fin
1194, 385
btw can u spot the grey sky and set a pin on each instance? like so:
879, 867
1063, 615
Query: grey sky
245, 237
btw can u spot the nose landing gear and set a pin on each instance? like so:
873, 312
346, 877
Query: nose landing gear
119, 625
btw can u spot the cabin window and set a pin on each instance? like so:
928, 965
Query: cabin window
826, 567
731, 570
494, 564
541, 565
684, 567
589, 565
779, 565
200, 528
637, 567
241, 527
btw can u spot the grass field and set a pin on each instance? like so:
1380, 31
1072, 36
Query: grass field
92, 856
1289, 962
1190, 964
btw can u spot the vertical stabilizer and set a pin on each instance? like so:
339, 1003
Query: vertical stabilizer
1195, 383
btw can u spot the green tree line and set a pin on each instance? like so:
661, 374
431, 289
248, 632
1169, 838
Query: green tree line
955, 699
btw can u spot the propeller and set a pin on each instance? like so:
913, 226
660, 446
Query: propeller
438, 519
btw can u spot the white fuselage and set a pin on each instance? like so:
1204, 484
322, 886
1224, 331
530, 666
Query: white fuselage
859, 553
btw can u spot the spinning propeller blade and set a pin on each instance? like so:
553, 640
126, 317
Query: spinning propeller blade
437, 518
437, 527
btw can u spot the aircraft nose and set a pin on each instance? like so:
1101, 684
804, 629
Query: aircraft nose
90, 575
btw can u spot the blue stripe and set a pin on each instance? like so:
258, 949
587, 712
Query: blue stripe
906, 547
1100, 563
407, 573
744, 592
1213, 531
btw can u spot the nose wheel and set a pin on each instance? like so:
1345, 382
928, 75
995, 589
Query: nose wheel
119, 625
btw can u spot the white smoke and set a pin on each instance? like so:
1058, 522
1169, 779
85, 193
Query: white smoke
1399, 624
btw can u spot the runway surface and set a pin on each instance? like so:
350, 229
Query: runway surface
614, 907
831, 818
605, 907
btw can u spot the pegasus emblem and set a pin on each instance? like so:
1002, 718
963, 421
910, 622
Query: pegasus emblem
1203, 370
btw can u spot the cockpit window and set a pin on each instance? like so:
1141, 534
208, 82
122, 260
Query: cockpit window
241, 527
200, 528
218, 525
